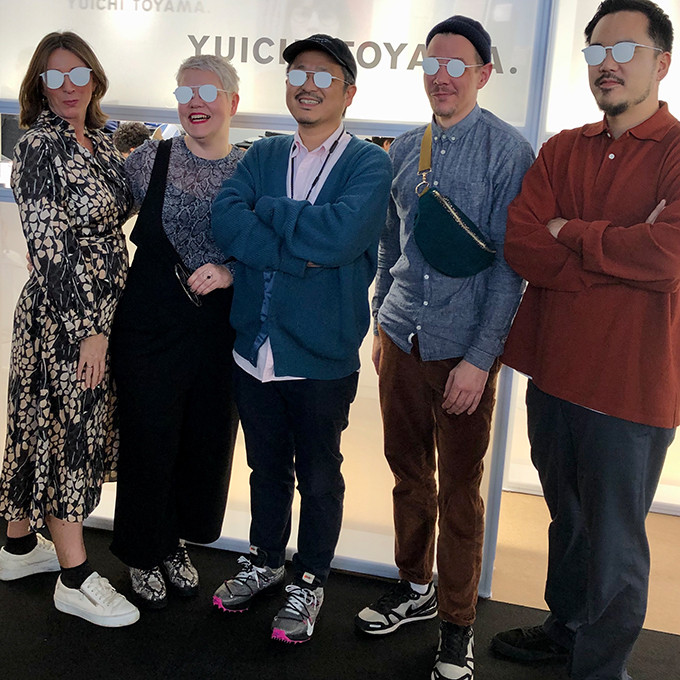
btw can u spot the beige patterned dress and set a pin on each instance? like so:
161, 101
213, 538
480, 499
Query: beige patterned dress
61, 439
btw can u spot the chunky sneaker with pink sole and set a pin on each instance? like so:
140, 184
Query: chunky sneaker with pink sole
236, 594
296, 619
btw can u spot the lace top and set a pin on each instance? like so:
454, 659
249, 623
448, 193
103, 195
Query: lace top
193, 183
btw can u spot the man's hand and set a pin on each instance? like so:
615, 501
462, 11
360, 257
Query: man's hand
555, 225
656, 212
464, 388
375, 353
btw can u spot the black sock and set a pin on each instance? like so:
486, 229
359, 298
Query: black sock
73, 577
22, 545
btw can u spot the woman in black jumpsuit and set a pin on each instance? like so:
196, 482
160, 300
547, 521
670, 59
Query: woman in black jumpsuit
171, 344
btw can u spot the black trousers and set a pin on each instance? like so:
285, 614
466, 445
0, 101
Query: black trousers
292, 430
599, 475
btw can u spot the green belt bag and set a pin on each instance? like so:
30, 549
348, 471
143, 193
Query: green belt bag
449, 241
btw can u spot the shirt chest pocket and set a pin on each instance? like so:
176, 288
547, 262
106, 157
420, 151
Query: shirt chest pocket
473, 198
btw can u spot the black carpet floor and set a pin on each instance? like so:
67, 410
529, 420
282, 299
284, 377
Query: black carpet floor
190, 639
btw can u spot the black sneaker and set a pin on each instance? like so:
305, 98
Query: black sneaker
455, 656
400, 605
529, 645
149, 587
181, 573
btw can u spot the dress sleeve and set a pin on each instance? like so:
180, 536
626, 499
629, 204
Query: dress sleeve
40, 186
138, 167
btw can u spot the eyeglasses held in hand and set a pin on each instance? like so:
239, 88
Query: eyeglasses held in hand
80, 75
183, 277
622, 52
322, 79
454, 67
208, 93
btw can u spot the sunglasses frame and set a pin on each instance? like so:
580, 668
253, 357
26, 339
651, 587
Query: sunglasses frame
449, 62
322, 76
198, 89
45, 75
592, 49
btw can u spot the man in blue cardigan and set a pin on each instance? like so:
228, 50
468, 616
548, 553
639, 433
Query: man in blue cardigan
302, 217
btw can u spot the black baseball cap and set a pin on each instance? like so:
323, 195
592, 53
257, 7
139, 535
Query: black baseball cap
321, 42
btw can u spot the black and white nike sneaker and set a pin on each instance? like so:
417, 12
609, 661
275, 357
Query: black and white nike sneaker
455, 655
400, 605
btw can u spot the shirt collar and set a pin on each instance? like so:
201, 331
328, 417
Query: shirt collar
299, 146
654, 128
460, 128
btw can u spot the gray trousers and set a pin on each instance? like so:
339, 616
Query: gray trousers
599, 475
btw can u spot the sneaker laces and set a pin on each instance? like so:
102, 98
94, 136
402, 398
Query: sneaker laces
454, 641
101, 590
180, 558
299, 599
249, 573
393, 598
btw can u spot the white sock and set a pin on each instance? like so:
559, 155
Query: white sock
420, 589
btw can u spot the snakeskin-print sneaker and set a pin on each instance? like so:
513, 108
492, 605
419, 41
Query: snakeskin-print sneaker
181, 573
149, 587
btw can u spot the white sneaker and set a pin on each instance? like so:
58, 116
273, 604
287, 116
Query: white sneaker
96, 601
41, 559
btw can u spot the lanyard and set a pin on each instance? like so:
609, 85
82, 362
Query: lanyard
334, 146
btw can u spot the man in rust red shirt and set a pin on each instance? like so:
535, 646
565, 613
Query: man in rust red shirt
596, 233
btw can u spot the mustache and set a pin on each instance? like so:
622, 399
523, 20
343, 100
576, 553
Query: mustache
309, 95
609, 76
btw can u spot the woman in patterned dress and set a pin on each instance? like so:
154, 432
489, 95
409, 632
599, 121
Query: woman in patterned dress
70, 189
171, 344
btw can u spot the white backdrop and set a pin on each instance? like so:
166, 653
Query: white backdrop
141, 43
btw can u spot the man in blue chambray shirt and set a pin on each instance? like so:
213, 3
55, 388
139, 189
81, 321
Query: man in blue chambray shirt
437, 346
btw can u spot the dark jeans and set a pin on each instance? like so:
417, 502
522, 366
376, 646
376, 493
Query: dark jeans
411, 396
599, 475
292, 430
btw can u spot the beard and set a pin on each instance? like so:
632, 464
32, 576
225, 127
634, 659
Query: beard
614, 109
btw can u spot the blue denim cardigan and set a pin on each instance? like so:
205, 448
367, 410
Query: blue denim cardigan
315, 317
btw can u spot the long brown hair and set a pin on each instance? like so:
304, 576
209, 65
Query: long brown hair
32, 101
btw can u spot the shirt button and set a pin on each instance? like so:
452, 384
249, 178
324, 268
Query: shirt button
443, 151
612, 156
436, 182
418, 328
436, 138
453, 139
426, 303
426, 277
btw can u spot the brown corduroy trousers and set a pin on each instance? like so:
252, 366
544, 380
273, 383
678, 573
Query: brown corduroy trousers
420, 437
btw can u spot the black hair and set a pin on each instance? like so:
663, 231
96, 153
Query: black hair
660, 28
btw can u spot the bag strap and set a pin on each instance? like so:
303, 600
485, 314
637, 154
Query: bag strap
425, 162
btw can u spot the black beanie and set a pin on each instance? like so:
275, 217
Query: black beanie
468, 28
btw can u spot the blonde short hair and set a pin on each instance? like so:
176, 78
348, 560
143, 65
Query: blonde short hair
220, 66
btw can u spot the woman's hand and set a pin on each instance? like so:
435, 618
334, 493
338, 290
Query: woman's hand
92, 361
209, 277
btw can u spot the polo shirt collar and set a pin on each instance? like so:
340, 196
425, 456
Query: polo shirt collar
654, 128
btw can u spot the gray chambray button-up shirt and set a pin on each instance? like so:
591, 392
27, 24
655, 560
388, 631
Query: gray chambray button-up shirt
479, 163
